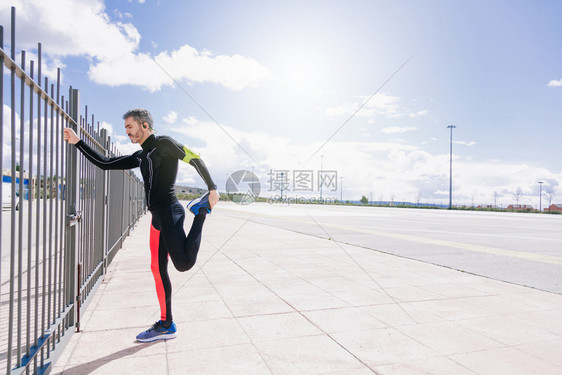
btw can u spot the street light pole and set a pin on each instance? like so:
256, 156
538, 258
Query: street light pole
451, 168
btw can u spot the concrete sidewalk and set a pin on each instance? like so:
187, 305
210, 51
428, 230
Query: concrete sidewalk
263, 300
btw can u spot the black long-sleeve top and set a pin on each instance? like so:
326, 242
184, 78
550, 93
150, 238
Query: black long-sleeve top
158, 162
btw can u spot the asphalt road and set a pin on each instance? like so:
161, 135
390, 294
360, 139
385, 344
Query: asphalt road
524, 249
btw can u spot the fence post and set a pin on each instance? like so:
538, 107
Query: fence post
72, 196
105, 196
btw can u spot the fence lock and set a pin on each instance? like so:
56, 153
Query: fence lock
74, 217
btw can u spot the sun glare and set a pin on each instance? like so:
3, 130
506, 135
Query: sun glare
303, 65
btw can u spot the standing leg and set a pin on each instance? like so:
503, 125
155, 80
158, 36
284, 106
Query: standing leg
159, 268
165, 328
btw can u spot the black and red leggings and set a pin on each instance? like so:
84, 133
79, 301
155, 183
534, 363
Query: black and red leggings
167, 238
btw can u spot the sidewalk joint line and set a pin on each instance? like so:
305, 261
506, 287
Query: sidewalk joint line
303, 315
237, 319
362, 269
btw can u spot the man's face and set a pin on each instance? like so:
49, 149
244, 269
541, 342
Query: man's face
135, 130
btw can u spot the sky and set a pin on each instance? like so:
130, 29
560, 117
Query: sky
363, 89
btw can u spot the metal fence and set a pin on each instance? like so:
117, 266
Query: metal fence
62, 220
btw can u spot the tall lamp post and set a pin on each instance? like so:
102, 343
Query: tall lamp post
451, 168
540, 195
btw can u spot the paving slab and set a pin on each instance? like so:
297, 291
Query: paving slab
268, 300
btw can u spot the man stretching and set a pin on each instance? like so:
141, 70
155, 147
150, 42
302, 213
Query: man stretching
158, 162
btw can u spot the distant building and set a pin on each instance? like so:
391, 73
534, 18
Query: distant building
489, 207
7, 182
555, 207
520, 207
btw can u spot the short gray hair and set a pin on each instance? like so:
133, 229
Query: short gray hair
140, 115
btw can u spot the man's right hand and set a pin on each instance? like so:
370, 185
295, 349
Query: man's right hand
70, 136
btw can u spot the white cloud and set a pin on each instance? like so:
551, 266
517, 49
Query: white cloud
343, 109
49, 67
120, 15
171, 117
71, 28
385, 105
482, 179
471, 143
107, 126
555, 83
386, 170
187, 64
381, 104
397, 129
8, 146
235, 72
419, 114
83, 28
7, 135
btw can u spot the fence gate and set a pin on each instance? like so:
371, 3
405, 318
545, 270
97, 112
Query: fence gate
62, 221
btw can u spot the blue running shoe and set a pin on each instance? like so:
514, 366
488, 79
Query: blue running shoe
157, 332
198, 203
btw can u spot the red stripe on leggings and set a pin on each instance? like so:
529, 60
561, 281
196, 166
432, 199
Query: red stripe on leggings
154, 266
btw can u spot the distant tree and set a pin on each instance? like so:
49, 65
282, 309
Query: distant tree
517, 195
550, 195
364, 200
